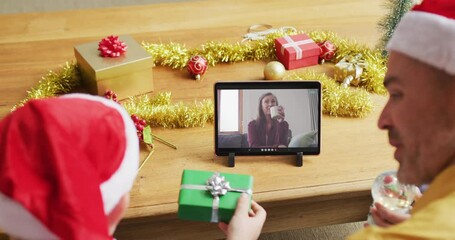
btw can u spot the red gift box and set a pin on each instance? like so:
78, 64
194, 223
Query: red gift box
297, 51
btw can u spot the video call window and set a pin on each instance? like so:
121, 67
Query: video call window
274, 119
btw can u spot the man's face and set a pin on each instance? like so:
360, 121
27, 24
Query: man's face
419, 117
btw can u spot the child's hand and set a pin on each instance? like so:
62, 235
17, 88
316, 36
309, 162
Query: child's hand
245, 224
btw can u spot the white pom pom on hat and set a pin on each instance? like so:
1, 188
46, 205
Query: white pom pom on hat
64, 165
427, 33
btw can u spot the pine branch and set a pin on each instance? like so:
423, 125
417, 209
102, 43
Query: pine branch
388, 24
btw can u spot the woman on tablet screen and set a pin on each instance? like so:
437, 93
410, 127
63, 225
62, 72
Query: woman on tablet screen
269, 129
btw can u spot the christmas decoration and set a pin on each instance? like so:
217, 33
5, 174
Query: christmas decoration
176, 55
297, 51
349, 69
260, 31
392, 194
159, 111
211, 197
54, 83
111, 46
140, 125
128, 75
274, 70
336, 100
109, 94
144, 133
347, 102
196, 66
147, 138
388, 24
327, 51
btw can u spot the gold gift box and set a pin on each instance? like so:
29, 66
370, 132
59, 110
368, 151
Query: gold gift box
347, 73
349, 70
129, 74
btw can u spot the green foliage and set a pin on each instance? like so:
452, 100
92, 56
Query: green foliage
388, 24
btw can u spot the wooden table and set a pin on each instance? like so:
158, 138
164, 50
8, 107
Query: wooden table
331, 188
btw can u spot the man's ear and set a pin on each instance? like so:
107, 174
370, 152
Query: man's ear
114, 217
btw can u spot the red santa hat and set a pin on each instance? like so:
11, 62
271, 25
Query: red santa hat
427, 33
64, 165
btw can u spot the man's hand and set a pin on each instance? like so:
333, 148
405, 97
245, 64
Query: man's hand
383, 217
245, 224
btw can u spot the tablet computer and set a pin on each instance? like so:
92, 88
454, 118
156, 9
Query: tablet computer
267, 118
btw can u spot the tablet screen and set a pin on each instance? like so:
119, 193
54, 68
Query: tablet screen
267, 118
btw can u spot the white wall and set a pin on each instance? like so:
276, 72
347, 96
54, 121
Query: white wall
295, 103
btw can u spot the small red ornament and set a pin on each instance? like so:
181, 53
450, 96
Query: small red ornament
140, 125
109, 94
111, 46
196, 66
388, 179
327, 51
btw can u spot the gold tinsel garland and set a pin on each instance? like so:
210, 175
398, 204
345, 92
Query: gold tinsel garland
159, 111
54, 83
176, 55
338, 101
372, 77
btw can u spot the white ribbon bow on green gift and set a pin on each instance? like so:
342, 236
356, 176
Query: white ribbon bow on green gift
217, 186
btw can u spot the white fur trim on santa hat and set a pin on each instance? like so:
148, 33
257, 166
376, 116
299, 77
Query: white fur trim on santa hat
122, 180
14, 215
426, 37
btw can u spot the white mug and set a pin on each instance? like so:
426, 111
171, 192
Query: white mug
274, 112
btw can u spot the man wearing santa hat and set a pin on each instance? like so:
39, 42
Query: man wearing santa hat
420, 119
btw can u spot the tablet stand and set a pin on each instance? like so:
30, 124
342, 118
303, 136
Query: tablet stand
299, 159
231, 160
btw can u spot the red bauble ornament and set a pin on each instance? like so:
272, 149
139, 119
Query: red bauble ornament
109, 94
196, 66
140, 125
327, 51
111, 46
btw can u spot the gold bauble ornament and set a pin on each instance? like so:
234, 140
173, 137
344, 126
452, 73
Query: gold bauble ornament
274, 70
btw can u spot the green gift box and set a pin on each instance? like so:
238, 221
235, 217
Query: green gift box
201, 195
128, 75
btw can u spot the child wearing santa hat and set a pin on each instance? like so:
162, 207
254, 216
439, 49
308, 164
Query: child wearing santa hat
67, 165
